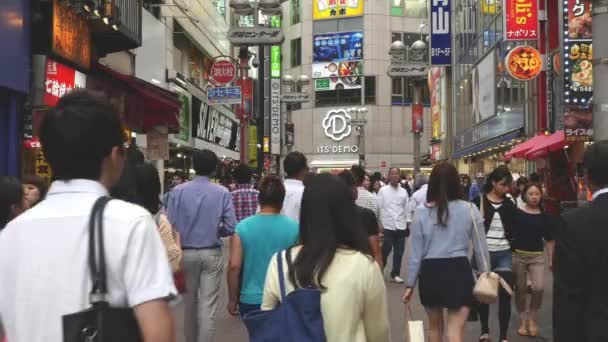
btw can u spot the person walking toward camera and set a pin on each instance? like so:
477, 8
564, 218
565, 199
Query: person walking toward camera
202, 212
532, 229
394, 215
499, 213
245, 197
442, 231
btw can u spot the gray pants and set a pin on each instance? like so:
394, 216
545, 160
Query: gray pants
203, 270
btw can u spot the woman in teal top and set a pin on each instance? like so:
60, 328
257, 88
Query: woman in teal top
257, 239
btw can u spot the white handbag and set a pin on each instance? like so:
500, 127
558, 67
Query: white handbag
488, 282
414, 329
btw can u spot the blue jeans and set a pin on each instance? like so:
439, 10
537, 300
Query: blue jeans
245, 308
499, 261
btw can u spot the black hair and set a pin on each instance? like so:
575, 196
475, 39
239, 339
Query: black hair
535, 178
595, 161
501, 173
242, 174
11, 193
205, 162
272, 192
125, 189
180, 175
308, 178
444, 186
147, 185
327, 222
294, 163
394, 168
79, 133
358, 174
522, 181
529, 185
347, 178
38, 182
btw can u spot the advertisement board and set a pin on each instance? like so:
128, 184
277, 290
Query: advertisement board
275, 116
484, 89
210, 125
275, 51
333, 83
184, 115
59, 80
435, 88
524, 63
340, 69
333, 9
244, 109
417, 118
441, 34
520, 19
578, 124
337, 47
224, 95
578, 52
71, 34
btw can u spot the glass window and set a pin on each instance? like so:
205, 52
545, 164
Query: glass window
338, 25
370, 90
409, 8
296, 12
296, 52
337, 97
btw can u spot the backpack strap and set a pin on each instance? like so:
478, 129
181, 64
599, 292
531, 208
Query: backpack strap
281, 275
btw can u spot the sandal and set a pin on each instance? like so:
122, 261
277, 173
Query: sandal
484, 338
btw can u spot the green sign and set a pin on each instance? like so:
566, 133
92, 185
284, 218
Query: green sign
184, 118
275, 51
322, 84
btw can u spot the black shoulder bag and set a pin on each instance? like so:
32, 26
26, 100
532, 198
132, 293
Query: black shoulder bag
100, 323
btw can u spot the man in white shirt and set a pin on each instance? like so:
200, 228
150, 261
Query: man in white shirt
394, 215
44, 252
296, 169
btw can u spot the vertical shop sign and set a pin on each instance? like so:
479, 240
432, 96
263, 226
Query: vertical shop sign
71, 35
578, 124
275, 51
244, 110
43, 169
60, 80
275, 116
578, 52
417, 118
436, 101
184, 116
521, 19
253, 146
441, 34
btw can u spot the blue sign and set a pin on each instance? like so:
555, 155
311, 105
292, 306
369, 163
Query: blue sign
441, 35
224, 95
338, 47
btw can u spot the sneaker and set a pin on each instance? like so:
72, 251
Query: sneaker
397, 279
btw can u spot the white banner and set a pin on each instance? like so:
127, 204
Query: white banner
275, 116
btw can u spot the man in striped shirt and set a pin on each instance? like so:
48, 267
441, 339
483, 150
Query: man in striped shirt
365, 198
245, 197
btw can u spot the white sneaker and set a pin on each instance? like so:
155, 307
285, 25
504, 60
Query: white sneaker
397, 279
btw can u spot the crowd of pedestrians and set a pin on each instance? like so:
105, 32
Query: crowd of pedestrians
332, 233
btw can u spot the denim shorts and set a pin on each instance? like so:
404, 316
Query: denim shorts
499, 261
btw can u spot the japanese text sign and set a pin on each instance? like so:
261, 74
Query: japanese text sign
60, 80
255, 35
441, 35
71, 34
333, 9
225, 95
578, 124
222, 72
521, 20
578, 52
275, 51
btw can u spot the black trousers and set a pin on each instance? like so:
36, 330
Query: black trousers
394, 240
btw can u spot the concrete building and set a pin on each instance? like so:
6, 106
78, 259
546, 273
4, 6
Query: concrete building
321, 130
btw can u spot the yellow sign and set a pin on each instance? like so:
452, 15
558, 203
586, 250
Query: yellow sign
266, 144
488, 6
43, 169
253, 146
334, 9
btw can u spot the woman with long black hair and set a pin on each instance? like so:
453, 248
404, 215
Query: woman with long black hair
442, 232
334, 256
499, 213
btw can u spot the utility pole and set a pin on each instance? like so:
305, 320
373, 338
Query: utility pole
417, 100
600, 71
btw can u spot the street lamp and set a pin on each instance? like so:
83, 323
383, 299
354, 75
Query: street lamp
294, 91
359, 122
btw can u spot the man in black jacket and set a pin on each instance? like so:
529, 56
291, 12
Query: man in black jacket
580, 295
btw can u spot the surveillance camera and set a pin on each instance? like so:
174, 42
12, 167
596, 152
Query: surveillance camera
255, 62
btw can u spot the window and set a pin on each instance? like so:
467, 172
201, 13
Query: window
337, 97
402, 90
409, 8
408, 38
296, 52
338, 25
296, 12
370, 90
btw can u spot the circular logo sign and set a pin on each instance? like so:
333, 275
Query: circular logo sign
524, 63
337, 124
222, 72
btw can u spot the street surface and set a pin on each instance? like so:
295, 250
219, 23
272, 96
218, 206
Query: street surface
231, 329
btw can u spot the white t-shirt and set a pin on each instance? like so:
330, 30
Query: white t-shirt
294, 189
44, 261
393, 202
497, 241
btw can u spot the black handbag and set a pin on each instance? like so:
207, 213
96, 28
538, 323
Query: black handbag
100, 323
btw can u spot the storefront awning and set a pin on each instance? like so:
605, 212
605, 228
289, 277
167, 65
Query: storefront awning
519, 151
144, 105
486, 144
552, 143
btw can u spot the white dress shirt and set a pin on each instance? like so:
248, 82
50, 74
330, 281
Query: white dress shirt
44, 261
418, 199
367, 200
393, 202
293, 199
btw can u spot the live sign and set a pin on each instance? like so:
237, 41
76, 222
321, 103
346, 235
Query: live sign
222, 72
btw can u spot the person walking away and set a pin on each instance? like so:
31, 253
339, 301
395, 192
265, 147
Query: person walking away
82, 139
532, 229
477, 187
12, 199
419, 197
202, 212
442, 232
365, 198
35, 189
296, 169
466, 185
499, 215
580, 305
393, 201
367, 218
256, 240
245, 197
147, 184
334, 256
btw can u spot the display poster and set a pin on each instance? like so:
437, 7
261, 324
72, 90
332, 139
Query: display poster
337, 47
157, 145
436, 99
340, 69
578, 124
184, 115
484, 89
578, 52
71, 36
253, 146
520, 20
59, 80
209, 124
417, 118
333, 83
333, 9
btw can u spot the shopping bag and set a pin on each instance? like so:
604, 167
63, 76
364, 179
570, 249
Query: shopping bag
414, 330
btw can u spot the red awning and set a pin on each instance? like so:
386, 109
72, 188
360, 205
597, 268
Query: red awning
144, 105
519, 150
555, 142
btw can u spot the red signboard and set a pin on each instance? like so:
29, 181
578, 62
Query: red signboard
521, 19
60, 80
222, 72
244, 110
417, 118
